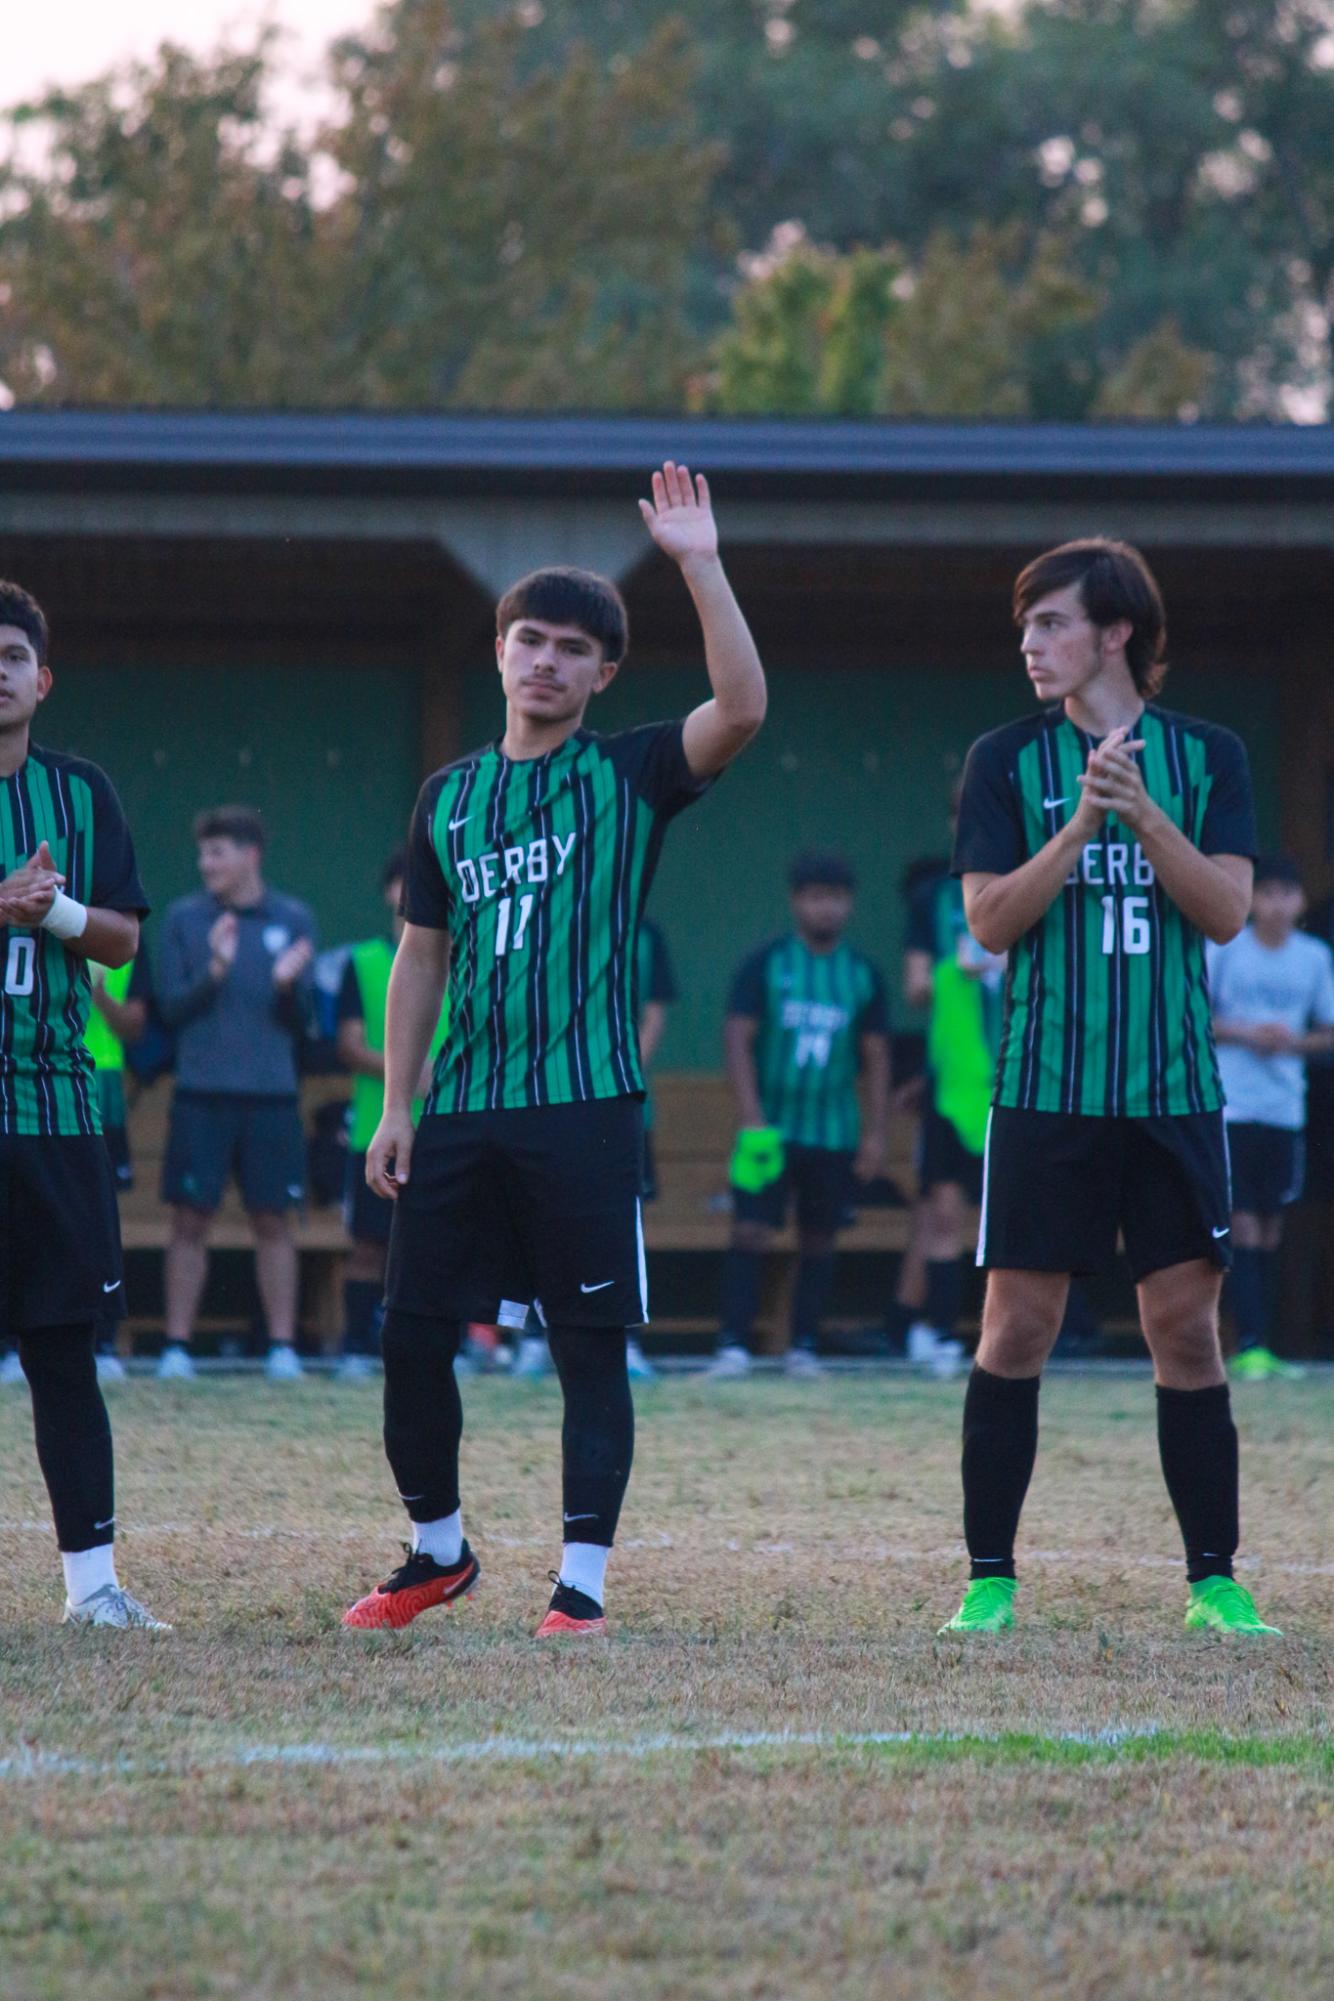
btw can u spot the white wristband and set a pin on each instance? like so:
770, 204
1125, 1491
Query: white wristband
65, 918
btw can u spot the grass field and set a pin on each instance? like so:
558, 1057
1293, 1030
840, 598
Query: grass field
264, 1805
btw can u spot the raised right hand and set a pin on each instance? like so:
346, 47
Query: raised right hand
389, 1155
27, 894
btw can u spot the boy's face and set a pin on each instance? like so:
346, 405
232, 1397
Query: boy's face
225, 865
822, 911
549, 672
1063, 649
1278, 907
24, 681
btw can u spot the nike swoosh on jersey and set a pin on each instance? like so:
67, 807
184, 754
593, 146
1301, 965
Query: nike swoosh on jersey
600, 1287
1049, 804
454, 825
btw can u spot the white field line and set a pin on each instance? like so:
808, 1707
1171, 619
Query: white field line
868, 1552
31, 1764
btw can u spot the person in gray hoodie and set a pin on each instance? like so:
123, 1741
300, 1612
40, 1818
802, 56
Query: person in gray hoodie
235, 984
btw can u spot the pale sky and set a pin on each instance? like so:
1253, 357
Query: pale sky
67, 41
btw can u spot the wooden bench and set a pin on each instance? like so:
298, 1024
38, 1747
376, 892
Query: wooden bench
693, 1135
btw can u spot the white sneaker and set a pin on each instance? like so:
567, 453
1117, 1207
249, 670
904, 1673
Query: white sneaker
922, 1342
283, 1364
110, 1369
947, 1360
729, 1363
637, 1364
175, 1364
533, 1359
11, 1372
113, 1606
802, 1363
354, 1369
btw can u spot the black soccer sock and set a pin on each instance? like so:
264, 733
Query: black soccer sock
1000, 1444
361, 1311
1197, 1443
598, 1435
810, 1296
423, 1415
73, 1433
743, 1272
944, 1294
1246, 1289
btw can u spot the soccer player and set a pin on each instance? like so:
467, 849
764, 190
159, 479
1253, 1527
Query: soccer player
806, 1014
69, 894
528, 865
1273, 999
948, 972
1100, 843
235, 984
362, 1002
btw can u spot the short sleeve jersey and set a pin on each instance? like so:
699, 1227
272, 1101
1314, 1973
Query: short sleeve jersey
46, 1069
811, 1011
539, 871
1107, 997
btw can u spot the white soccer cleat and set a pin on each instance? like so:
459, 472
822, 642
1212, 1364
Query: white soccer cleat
113, 1606
637, 1364
802, 1365
354, 1369
283, 1364
533, 1359
11, 1372
175, 1364
731, 1362
110, 1369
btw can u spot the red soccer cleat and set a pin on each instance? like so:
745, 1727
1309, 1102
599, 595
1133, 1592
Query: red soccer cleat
571, 1613
417, 1585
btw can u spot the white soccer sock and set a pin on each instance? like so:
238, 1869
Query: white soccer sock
87, 1570
442, 1540
583, 1566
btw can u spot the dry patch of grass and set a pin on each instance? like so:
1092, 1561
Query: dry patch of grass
787, 1554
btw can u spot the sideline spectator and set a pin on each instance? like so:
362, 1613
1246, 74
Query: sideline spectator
657, 990
360, 1035
946, 971
235, 985
117, 1020
806, 1013
1272, 992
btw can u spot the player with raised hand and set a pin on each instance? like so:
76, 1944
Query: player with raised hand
1101, 843
69, 894
529, 862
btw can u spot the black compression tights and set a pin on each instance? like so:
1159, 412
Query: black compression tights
73, 1433
423, 1417
598, 1435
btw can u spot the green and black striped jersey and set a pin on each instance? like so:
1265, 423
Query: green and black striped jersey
1107, 998
539, 871
812, 1010
46, 1069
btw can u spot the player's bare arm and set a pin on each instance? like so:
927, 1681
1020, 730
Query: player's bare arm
1001, 908
416, 993
681, 521
739, 1033
1213, 892
873, 1152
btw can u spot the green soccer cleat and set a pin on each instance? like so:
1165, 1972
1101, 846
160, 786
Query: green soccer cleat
988, 1607
1221, 1605
1258, 1365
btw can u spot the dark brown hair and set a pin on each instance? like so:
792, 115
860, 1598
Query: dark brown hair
570, 597
1114, 583
20, 608
242, 824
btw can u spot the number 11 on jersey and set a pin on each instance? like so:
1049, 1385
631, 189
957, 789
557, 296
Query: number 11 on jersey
504, 921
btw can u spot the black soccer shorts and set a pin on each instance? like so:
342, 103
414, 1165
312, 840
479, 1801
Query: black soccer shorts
60, 1256
817, 1179
1268, 1166
217, 1134
540, 1204
1058, 1188
367, 1217
943, 1157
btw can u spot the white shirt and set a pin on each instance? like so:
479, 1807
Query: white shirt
1250, 983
